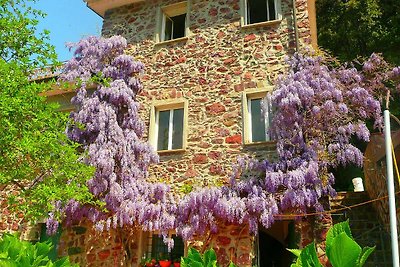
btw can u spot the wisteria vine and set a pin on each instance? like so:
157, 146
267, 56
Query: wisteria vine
318, 110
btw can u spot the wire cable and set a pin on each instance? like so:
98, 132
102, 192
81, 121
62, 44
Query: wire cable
334, 210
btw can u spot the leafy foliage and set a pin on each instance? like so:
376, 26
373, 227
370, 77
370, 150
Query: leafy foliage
195, 259
20, 42
341, 249
35, 154
354, 28
14, 252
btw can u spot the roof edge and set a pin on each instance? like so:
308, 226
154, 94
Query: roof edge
101, 6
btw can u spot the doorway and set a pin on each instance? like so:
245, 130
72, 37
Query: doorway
272, 244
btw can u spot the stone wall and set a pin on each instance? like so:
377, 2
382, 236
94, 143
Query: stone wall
9, 220
88, 247
376, 177
210, 69
231, 243
365, 226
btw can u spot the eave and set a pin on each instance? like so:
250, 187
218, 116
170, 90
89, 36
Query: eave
101, 6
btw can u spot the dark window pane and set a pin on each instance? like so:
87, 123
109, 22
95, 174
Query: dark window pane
271, 9
168, 28
163, 128
257, 121
178, 250
158, 248
177, 133
179, 26
256, 11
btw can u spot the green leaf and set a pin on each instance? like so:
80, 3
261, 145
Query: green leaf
337, 229
231, 264
194, 255
63, 262
309, 256
295, 251
7, 263
209, 257
364, 255
42, 248
343, 251
298, 262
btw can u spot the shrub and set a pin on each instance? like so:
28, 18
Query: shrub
341, 249
195, 259
17, 253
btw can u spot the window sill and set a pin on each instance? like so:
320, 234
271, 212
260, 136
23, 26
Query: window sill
261, 24
261, 143
177, 40
172, 151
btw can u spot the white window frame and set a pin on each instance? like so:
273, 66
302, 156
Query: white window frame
154, 119
246, 115
166, 12
244, 13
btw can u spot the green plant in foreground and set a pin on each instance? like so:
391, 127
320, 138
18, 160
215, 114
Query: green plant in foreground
341, 250
195, 259
17, 253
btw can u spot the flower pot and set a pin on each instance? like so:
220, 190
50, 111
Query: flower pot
177, 264
150, 264
164, 263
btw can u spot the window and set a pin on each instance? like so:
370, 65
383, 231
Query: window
173, 22
170, 129
156, 248
256, 11
167, 126
255, 123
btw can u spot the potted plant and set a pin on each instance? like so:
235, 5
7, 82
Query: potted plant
164, 260
148, 262
177, 262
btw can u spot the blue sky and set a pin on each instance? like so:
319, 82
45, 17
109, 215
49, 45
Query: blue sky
67, 21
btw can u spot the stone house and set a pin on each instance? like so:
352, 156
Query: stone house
208, 65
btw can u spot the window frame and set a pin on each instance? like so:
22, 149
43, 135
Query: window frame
146, 241
244, 15
165, 12
247, 96
164, 105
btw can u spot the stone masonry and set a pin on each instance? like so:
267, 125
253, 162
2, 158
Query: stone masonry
211, 69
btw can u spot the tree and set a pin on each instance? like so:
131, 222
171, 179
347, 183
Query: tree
357, 28
20, 42
35, 154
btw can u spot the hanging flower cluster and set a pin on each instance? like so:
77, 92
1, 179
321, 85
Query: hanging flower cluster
318, 110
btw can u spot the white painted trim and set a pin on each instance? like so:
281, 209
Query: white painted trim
245, 16
170, 128
168, 105
167, 12
249, 95
249, 116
